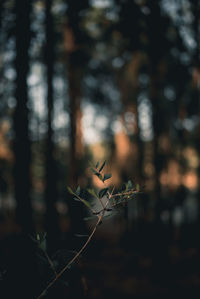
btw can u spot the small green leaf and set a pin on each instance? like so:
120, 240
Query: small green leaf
70, 190
78, 190
99, 176
102, 166
97, 165
129, 185
92, 192
86, 203
81, 236
90, 218
43, 238
76, 199
107, 176
94, 171
42, 245
137, 187
103, 192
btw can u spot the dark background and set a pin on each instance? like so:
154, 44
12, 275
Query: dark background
87, 81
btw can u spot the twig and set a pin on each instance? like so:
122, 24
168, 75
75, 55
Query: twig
100, 215
74, 258
111, 196
125, 193
50, 262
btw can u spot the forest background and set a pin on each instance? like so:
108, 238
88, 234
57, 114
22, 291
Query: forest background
87, 81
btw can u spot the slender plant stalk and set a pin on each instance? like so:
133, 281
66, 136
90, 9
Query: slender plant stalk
74, 258
124, 193
99, 215
50, 262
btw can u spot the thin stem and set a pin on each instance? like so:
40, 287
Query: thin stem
124, 193
50, 262
100, 215
111, 195
74, 258
103, 207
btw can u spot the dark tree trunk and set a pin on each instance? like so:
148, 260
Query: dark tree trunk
76, 146
157, 129
76, 150
196, 77
157, 28
1, 12
22, 148
51, 221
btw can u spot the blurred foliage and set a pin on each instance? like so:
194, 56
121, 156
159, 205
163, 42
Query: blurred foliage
124, 87
99, 80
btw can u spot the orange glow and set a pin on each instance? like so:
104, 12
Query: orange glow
190, 180
164, 178
149, 169
196, 77
5, 151
171, 177
123, 147
191, 155
165, 143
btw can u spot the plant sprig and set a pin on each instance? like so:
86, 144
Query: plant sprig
112, 199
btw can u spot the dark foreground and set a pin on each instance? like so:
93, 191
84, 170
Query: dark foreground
143, 263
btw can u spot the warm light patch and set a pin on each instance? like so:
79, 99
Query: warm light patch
190, 180
123, 147
191, 156
171, 177
5, 151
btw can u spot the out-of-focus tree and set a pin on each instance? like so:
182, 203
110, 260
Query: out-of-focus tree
75, 44
22, 149
75, 58
50, 164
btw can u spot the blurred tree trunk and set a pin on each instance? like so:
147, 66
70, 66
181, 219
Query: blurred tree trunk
75, 40
196, 78
157, 128
157, 28
22, 149
196, 23
74, 79
196, 59
76, 145
1, 12
129, 89
51, 220
76, 150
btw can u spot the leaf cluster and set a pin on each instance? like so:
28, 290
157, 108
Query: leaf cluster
126, 193
108, 200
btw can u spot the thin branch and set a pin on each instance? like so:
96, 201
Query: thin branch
111, 195
50, 262
100, 215
125, 193
74, 258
